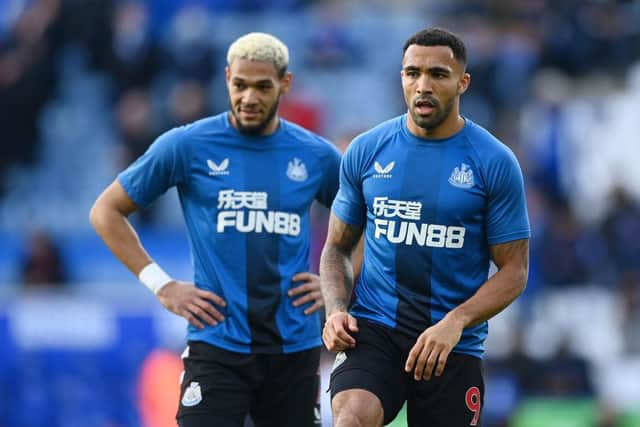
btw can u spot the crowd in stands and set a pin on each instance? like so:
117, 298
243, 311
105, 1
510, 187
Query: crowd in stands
87, 85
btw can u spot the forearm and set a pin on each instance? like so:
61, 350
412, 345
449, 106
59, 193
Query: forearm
120, 237
492, 297
336, 278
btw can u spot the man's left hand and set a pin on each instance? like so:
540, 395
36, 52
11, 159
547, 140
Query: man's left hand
432, 348
307, 292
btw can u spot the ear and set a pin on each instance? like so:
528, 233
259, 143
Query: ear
227, 73
464, 82
285, 82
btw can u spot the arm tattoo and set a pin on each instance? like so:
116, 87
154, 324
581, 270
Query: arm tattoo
336, 273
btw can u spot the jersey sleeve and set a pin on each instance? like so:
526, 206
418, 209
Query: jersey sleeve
161, 167
507, 217
329, 183
349, 204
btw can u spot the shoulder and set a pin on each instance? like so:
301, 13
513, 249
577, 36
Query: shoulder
376, 136
488, 147
185, 133
207, 126
380, 133
319, 145
370, 142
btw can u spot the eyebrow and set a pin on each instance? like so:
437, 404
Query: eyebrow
249, 82
434, 69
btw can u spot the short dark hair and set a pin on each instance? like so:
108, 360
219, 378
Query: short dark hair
439, 37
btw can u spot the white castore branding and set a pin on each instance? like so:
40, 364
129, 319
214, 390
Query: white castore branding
246, 211
409, 232
383, 172
218, 169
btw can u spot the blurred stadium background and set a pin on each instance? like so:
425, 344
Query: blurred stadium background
86, 85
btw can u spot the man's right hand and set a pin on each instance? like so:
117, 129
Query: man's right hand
336, 331
195, 305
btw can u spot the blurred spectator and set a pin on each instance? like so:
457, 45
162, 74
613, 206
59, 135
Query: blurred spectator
539, 207
85, 24
565, 374
133, 55
27, 80
542, 130
189, 51
559, 259
630, 302
331, 45
134, 120
518, 367
622, 228
533, 65
42, 263
517, 57
168, 8
187, 103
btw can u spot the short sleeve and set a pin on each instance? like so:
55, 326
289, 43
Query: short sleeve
507, 218
349, 204
329, 183
161, 167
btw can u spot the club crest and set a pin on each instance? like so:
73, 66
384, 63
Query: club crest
340, 358
462, 177
296, 170
192, 395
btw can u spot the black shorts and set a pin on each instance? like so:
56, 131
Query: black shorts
376, 364
220, 388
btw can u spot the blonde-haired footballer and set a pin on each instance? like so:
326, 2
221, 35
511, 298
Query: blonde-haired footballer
246, 180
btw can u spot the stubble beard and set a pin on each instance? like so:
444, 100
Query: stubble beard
256, 129
431, 123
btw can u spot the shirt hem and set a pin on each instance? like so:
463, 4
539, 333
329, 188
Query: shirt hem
509, 237
246, 348
346, 219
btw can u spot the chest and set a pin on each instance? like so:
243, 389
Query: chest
426, 185
279, 179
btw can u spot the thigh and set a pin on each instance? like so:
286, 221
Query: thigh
374, 365
216, 385
453, 399
290, 395
357, 406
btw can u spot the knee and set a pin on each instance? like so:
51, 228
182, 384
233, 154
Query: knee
357, 408
349, 419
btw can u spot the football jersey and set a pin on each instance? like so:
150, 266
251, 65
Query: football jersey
431, 208
246, 202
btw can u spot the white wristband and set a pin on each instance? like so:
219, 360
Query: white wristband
154, 277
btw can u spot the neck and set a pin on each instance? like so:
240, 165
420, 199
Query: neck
450, 126
271, 127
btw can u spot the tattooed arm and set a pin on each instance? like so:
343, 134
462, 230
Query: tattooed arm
336, 282
512, 260
434, 345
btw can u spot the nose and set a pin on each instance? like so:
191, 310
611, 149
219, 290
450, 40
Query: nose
424, 84
249, 96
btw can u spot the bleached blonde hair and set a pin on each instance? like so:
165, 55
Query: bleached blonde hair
260, 47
